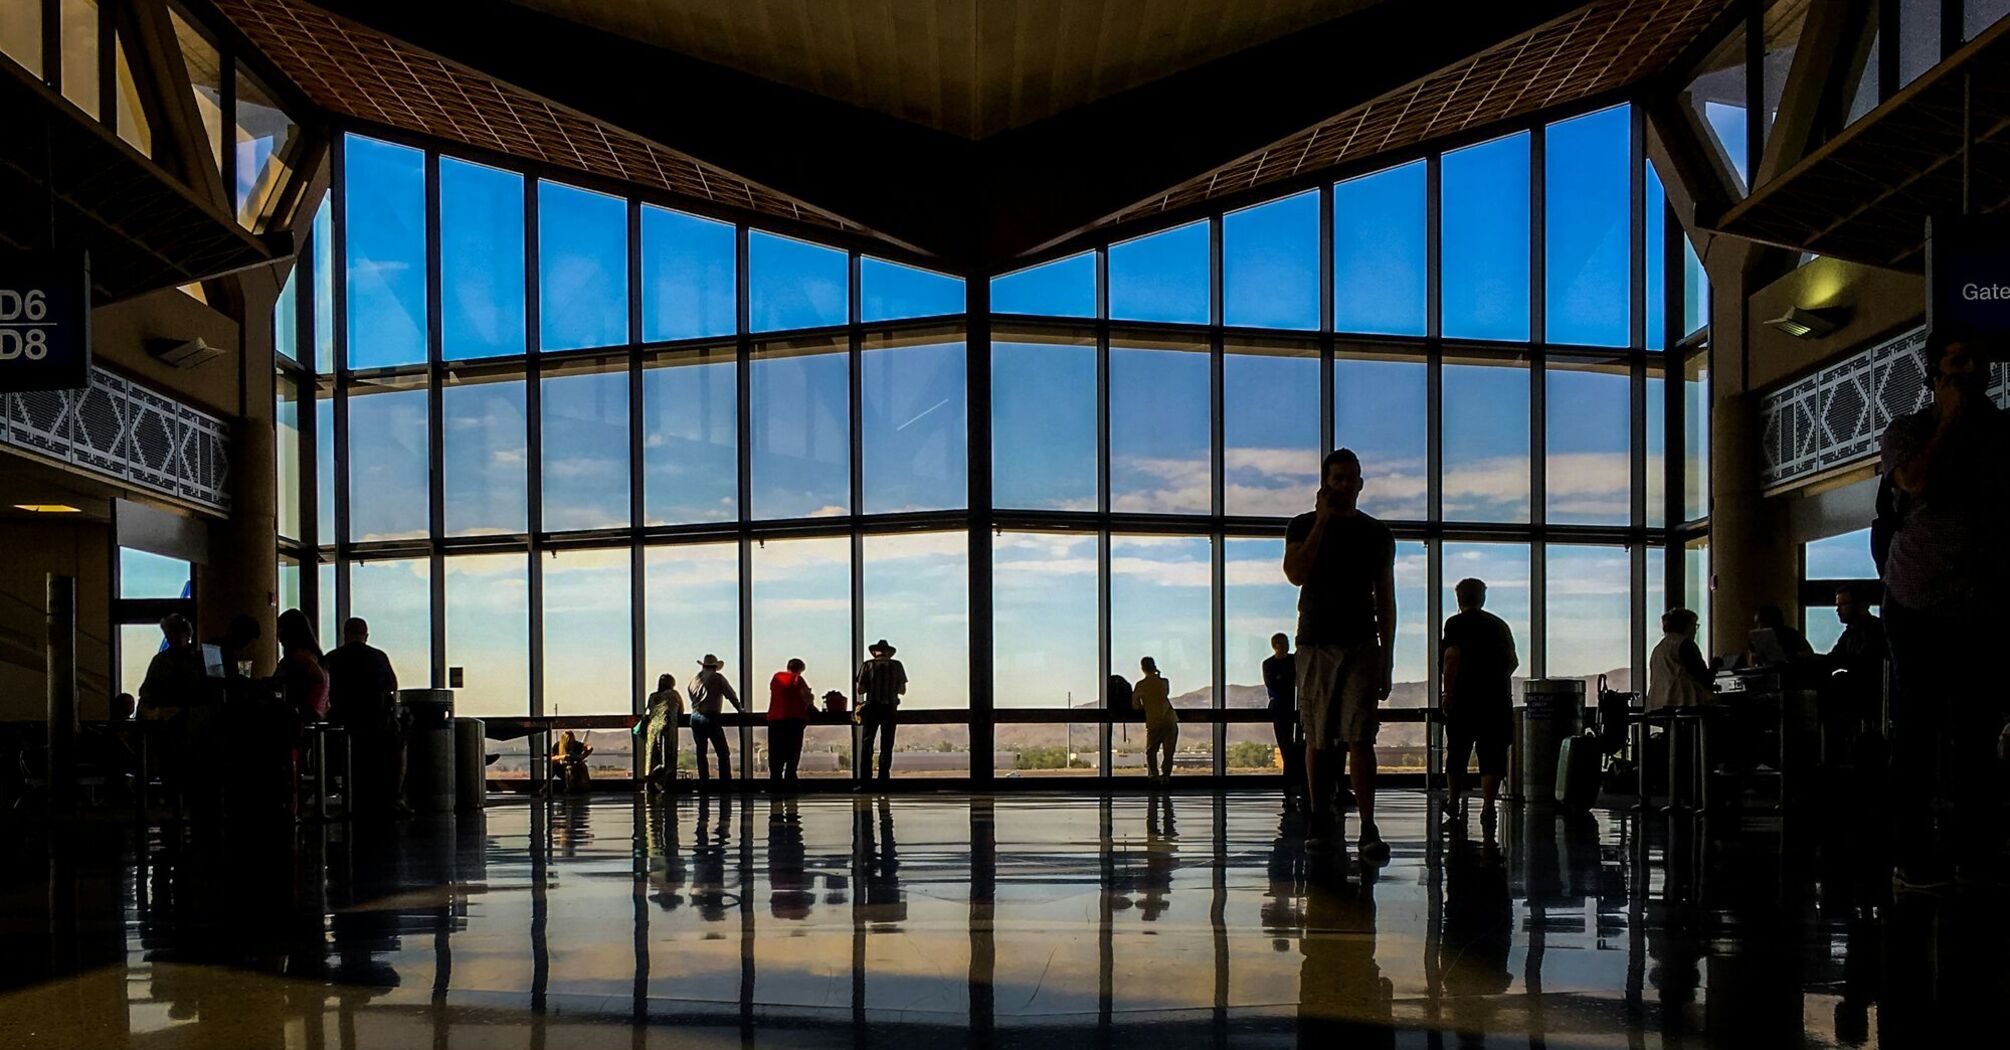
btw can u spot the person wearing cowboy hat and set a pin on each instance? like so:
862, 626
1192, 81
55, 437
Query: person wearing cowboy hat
881, 683
708, 687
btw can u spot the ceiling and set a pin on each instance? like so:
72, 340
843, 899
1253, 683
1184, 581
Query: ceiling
968, 135
972, 68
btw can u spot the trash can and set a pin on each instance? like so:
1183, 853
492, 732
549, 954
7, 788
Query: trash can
471, 789
1551, 710
429, 750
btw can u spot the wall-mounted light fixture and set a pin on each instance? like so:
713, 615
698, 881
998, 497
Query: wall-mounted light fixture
1809, 324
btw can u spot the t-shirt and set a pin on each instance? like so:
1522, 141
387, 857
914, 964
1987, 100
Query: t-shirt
1336, 606
1280, 677
788, 696
361, 684
1487, 658
1948, 550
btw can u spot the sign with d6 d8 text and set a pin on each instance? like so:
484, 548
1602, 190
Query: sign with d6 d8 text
45, 321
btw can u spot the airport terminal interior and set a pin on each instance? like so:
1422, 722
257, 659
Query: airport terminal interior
652, 523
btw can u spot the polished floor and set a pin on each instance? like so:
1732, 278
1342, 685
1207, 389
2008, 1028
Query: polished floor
939, 920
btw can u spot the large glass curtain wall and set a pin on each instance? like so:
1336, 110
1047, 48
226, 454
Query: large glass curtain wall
567, 441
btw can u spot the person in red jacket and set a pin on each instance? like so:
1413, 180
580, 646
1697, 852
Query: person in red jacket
789, 701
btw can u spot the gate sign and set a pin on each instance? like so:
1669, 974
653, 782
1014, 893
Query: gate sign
45, 321
1968, 274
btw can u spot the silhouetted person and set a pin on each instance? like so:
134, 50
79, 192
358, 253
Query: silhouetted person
709, 690
1677, 675
1153, 696
1478, 661
363, 700
659, 733
881, 682
1944, 580
1280, 681
789, 704
1344, 565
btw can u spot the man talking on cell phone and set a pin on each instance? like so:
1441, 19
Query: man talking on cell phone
1343, 563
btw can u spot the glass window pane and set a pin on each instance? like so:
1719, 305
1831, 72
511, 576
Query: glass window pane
801, 459
688, 283
691, 601
481, 261
1657, 264
1718, 96
1656, 481
1160, 440
384, 190
1978, 15
1918, 38
21, 34
324, 465
205, 74
586, 639
1270, 429
286, 318
1696, 438
917, 596
1380, 261
802, 610
1414, 630
395, 598
488, 633
582, 259
585, 460
387, 463
286, 454
1588, 447
795, 284
1844, 557
1587, 184
1270, 264
1163, 277
889, 291
690, 438
1588, 614
1257, 602
1044, 633
1062, 288
146, 575
484, 450
1160, 588
266, 142
1381, 410
1486, 230
132, 117
914, 426
1486, 441
1503, 567
79, 34
1043, 421
324, 287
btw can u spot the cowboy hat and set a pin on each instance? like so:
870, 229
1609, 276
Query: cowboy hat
711, 663
881, 646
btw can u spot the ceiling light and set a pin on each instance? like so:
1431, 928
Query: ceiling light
47, 508
1808, 324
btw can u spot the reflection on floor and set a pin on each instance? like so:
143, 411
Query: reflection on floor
925, 921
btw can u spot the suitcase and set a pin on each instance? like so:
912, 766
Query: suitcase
1577, 770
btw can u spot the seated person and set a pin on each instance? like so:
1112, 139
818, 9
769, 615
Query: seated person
569, 767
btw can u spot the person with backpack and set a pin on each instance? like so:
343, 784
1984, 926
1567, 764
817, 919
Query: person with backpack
880, 684
1153, 696
789, 704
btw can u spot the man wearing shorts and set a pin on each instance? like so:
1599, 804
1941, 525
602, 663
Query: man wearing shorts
1478, 666
1344, 565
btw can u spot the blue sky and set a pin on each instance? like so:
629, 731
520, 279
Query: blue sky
913, 423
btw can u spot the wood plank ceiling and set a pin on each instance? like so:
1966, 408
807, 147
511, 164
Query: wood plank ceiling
973, 68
